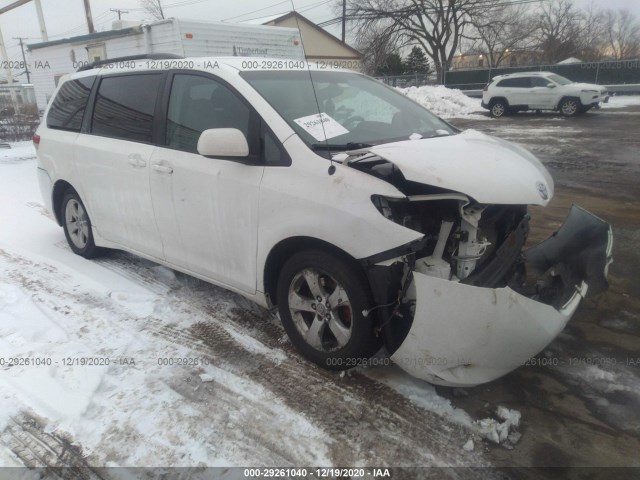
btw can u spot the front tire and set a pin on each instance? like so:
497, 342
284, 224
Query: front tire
77, 226
570, 107
321, 299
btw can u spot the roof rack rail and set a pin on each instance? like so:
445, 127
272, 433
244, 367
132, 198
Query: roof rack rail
145, 56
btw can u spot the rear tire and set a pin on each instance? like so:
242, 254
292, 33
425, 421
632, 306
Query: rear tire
321, 299
498, 108
77, 226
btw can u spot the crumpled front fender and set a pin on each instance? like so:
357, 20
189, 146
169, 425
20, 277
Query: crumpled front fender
464, 335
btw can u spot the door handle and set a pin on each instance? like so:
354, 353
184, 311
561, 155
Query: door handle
162, 168
136, 161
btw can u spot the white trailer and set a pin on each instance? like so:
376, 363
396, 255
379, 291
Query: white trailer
190, 38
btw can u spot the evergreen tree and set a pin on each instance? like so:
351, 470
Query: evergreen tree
416, 61
392, 66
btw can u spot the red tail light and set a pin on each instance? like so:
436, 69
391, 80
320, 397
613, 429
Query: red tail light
486, 88
36, 139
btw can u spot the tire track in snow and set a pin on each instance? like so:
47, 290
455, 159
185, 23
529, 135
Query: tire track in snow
367, 422
27, 439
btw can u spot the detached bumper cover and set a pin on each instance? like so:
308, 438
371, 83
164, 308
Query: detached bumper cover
465, 335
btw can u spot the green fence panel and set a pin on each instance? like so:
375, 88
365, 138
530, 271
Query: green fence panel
603, 73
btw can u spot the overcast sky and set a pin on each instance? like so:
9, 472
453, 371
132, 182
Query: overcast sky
65, 18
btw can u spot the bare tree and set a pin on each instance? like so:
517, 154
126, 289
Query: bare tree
500, 30
622, 34
591, 39
435, 25
558, 30
154, 8
377, 44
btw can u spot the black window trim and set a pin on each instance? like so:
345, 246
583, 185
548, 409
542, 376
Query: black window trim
87, 125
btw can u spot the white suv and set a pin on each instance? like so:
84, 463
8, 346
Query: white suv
359, 214
540, 91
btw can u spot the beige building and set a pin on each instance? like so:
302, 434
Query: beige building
320, 46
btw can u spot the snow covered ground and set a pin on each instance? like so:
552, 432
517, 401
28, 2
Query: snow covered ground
134, 364
446, 102
621, 101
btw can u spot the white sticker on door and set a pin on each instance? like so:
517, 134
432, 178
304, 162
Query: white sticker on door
321, 126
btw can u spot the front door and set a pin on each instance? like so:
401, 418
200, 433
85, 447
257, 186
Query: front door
207, 208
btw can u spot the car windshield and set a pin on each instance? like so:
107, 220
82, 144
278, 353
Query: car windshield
344, 110
559, 79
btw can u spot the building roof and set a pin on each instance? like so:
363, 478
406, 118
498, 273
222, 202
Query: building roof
297, 16
88, 37
569, 60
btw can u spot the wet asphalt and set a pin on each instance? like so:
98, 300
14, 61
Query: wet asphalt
580, 398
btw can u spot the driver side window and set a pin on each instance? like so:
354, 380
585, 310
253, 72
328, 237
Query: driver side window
198, 103
539, 82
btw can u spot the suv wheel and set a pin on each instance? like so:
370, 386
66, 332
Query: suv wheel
569, 107
498, 108
321, 301
77, 226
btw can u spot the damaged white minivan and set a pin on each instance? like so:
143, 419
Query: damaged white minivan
363, 217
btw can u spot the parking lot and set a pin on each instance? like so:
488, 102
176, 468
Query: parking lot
580, 400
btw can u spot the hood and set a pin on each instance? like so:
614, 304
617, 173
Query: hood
589, 86
488, 169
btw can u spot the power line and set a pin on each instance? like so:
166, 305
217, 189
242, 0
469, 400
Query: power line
374, 15
256, 11
302, 9
119, 12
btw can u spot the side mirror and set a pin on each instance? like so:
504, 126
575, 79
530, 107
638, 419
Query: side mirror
223, 142
551, 85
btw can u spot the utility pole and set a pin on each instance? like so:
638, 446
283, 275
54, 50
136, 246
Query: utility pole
344, 18
43, 28
119, 12
87, 11
24, 59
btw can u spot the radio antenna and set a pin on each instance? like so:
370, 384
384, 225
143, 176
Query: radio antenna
332, 167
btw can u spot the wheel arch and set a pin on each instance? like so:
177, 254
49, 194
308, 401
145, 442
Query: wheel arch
568, 97
57, 195
284, 249
495, 99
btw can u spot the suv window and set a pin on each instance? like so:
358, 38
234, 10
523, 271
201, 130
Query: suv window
125, 106
198, 103
70, 103
539, 82
518, 82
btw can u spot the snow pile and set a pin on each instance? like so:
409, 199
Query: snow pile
424, 395
445, 102
500, 432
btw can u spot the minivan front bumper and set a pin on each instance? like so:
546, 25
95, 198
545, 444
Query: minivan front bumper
464, 335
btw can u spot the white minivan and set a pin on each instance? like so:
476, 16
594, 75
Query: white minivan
363, 217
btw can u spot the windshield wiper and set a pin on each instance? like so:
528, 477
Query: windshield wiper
340, 147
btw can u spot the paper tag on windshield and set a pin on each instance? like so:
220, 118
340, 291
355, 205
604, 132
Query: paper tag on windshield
321, 126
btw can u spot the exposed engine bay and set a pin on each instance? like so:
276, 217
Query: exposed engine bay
474, 249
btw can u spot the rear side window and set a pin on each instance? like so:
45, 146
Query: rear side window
125, 106
69, 105
521, 82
